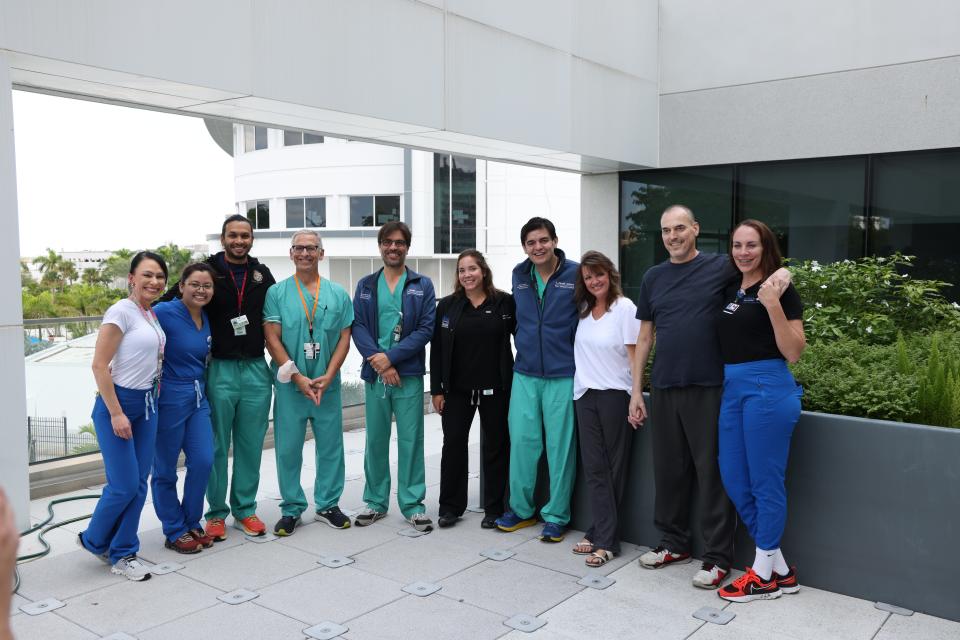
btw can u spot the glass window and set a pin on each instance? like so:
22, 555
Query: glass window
815, 207
361, 211
707, 191
315, 212
294, 213
312, 138
463, 212
915, 212
259, 213
292, 138
387, 209
441, 203
260, 136
249, 143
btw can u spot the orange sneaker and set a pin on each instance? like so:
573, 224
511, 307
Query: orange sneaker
217, 529
251, 526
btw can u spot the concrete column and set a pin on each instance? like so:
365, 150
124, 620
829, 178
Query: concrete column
13, 426
600, 214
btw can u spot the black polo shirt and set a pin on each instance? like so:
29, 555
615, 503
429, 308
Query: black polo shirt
744, 327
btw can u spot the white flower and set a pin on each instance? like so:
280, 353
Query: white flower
869, 329
886, 282
955, 305
815, 266
818, 306
823, 286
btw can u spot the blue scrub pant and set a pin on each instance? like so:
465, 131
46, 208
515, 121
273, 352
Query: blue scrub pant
113, 527
758, 411
183, 424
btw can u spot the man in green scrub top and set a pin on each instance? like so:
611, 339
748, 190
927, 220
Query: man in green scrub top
393, 322
306, 322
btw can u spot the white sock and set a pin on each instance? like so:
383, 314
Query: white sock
763, 563
780, 564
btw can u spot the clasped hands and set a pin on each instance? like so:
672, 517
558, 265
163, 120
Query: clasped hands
385, 369
312, 388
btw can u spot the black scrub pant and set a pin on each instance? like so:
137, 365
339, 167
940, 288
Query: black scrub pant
458, 411
684, 439
605, 439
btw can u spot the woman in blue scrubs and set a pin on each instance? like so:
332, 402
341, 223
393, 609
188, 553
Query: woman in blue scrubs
184, 415
127, 363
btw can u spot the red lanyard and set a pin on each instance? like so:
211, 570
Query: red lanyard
239, 289
316, 299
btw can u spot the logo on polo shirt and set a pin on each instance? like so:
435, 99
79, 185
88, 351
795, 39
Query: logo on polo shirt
257, 276
563, 285
414, 292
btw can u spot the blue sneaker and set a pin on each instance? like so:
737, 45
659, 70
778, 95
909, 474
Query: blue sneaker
552, 532
512, 522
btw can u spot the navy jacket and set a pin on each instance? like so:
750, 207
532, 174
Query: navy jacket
545, 332
418, 305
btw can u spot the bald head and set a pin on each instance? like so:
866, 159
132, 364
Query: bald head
679, 209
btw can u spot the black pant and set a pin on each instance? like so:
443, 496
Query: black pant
605, 437
684, 440
458, 412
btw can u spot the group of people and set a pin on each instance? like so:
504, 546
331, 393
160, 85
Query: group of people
724, 401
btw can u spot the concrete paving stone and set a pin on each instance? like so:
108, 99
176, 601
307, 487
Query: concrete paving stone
324, 594
918, 626
61, 541
668, 587
49, 626
64, 576
510, 587
425, 558
152, 549
250, 566
811, 614
134, 607
433, 617
321, 540
15, 601
738, 632
247, 621
559, 557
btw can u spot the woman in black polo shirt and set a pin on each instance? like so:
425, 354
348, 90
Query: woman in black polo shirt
759, 330
471, 367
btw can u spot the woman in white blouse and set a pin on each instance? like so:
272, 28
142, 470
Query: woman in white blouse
603, 351
127, 363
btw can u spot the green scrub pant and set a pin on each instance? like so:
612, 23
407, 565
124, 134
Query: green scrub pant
290, 413
239, 394
541, 412
406, 403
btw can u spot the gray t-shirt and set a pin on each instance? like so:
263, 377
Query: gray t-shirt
681, 300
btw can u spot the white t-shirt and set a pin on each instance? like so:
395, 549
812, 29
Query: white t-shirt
135, 364
600, 351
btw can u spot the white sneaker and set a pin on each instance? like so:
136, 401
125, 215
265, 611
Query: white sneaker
661, 557
131, 568
710, 576
421, 522
368, 516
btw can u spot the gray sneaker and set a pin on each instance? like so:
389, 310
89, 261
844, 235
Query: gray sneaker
421, 522
131, 568
368, 516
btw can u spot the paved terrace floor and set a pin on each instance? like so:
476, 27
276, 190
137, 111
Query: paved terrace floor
295, 592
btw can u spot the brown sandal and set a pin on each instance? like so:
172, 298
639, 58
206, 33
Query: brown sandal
583, 548
598, 558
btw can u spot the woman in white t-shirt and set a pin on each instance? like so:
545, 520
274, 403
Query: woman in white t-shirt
603, 350
127, 364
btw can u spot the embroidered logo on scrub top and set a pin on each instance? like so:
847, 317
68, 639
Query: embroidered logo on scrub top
257, 276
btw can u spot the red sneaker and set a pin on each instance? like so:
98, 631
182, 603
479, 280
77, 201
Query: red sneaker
787, 582
251, 525
217, 529
184, 544
200, 536
749, 587
661, 557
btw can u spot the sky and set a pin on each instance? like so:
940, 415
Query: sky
99, 177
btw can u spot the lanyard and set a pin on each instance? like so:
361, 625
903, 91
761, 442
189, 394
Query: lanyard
239, 289
152, 319
316, 299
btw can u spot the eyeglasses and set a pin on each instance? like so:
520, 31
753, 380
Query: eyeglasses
399, 244
198, 286
305, 248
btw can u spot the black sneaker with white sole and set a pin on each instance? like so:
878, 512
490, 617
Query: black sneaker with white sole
286, 525
421, 522
333, 518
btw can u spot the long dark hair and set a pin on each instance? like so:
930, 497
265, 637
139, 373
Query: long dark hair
596, 262
488, 289
771, 259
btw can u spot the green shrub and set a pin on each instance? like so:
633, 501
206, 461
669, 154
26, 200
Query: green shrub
871, 300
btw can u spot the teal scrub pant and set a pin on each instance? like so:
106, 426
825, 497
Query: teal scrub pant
239, 393
541, 413
406, 403
290, 413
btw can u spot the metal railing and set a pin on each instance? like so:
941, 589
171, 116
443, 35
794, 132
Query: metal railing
49, 439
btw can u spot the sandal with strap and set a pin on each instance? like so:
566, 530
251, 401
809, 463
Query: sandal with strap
583, 548
598, 558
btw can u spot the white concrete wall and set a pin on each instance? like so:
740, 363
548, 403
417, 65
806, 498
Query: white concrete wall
753, 80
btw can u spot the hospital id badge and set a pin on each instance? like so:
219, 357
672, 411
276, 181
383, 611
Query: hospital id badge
239, 325
311, 350
731, 308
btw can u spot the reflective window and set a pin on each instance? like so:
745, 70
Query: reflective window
312, 138
294, 213
361, 211
369, 211
306, 212
254, 138
644, 195
454, 203
258, 211
292, 138
815, 207
387, 208
915, 212
441, 203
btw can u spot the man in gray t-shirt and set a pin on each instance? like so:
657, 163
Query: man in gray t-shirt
679, 302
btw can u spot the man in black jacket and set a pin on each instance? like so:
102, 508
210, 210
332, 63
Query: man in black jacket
239, 383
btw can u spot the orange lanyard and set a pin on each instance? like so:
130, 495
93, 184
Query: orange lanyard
303, 301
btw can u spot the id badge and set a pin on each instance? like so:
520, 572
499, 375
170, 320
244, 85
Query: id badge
731, 308
311, 350
239, 325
